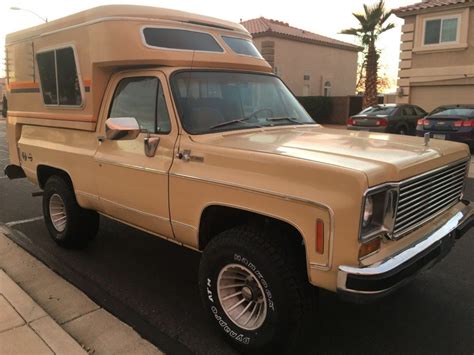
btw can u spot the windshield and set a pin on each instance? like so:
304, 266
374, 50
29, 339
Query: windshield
453, 111
209, 101
378, 110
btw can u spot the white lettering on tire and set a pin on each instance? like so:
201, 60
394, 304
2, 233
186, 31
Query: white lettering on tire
223, 324
260, 277
209, 292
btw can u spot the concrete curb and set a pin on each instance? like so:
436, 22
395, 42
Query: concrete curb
57, 307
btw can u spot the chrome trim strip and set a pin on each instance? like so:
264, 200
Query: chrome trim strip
134, 210
130, 166
184, 224
122, 18
312, 265
395, 261
86, 194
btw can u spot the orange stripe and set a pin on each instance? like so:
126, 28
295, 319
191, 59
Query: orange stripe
32, 84
23, 85
53, 116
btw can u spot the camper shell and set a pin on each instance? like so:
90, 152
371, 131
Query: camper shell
102, 41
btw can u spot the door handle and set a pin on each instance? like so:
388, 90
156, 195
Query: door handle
185, 155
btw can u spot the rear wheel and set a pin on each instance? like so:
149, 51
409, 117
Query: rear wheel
402, 130
70, 225
255, 289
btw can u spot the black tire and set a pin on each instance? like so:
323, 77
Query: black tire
81, 225
402, 130
281, 270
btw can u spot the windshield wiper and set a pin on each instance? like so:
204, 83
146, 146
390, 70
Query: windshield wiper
291, 119
231, 122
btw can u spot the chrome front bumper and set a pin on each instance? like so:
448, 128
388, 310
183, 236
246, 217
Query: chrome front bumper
361, 284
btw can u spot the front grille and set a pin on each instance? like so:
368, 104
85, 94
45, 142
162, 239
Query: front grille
421, 198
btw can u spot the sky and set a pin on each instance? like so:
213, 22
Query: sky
326, 18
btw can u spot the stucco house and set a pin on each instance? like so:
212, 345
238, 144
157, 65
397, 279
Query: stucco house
310, 64
437, 53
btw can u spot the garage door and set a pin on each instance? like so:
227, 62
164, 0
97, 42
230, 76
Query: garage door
429, 97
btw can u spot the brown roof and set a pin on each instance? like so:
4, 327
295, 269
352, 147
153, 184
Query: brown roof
265, 27
428, 5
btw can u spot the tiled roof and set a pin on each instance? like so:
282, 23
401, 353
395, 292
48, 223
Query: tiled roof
262, 26
429, 4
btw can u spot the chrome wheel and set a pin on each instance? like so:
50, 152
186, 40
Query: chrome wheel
57, 212
242, 297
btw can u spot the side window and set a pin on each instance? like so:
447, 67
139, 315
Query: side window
143, 99
164, 125
408, 111
58, 76
47, 71
419, 111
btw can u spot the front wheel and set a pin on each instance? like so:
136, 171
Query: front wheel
254, 287
70, 225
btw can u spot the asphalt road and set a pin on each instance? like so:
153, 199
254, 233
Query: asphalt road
152, 285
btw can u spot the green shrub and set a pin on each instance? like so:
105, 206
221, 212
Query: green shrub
319, 107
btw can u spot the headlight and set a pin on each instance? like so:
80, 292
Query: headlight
378, 212
368, 211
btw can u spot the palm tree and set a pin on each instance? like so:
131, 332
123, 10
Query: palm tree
372, 25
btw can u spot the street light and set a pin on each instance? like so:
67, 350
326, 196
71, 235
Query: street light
34, 13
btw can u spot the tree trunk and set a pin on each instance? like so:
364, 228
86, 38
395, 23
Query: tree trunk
370, 95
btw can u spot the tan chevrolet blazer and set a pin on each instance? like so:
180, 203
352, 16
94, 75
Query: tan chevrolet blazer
174, 124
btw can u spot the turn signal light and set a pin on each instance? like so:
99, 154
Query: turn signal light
320, 236
350, 121
422, 122
369, 247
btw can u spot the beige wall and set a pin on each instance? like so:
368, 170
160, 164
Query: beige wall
294, 60
428, 97
436, 75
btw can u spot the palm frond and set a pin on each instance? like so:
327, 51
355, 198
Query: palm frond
351, 31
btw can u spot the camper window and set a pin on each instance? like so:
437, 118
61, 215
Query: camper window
58, 76
242, 46
180, 39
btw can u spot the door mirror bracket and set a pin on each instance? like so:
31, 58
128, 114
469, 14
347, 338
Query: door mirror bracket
150, 145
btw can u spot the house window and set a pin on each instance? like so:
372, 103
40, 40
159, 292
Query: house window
58, 77
327, 88
443, 30
306, 77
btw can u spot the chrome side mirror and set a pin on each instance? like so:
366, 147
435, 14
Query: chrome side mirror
122, 128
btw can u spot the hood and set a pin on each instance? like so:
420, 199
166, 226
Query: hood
381, 157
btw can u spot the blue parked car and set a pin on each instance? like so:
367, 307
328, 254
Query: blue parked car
450, 122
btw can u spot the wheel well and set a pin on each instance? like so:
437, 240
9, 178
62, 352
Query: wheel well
44, 172
216, 219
